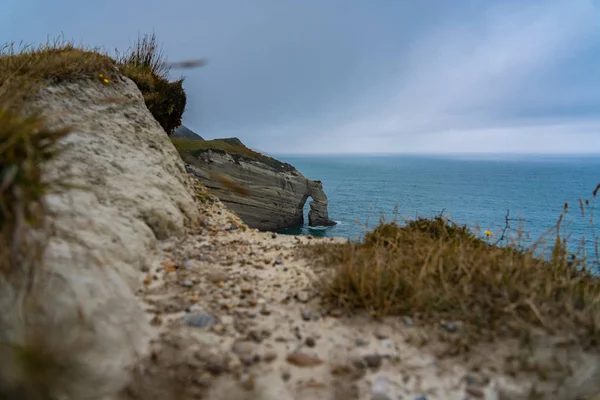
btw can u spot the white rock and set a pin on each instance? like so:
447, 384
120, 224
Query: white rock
135, 194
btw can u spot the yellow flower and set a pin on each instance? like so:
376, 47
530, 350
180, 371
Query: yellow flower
488, 233
105, 80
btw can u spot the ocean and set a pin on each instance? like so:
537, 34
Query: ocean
476, 190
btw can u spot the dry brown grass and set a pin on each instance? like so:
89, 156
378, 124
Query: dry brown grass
436, 270
22, 66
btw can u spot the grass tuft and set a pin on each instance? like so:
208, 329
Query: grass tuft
437, 270
26, 68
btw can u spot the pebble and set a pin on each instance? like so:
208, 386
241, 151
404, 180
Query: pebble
373, 360
360, 342
303, 360
200, 320
302, 297
270, 356
380, 396
474, 391
383, 332
273, 236
243, 347
265, 311
306, 315
450, 326
380, 386
310, 341
256, 336
217, 276
215, 368
336, 312
286, 376
408, 321
187, 283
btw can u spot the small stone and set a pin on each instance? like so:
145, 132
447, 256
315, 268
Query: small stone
270, 356
474, 391
450, 326
187, 283
255, 336
226, 319
248, 359
381, 385
310, 341
373, 360
286, 376
200, 320
306, 315
359, 363
215, 368
421, 398
360, 342
157, 320
408, 321
336, 312
202, 381
383, 332
189, 264
380, 396
247, 382
277, 262
303, 360
241, 347
246, 288
265, 311
217, 276
273, 236
302, 297
477, 379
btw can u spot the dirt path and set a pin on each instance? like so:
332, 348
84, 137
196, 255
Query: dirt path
236, 316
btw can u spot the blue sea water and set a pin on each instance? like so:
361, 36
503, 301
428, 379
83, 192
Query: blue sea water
477, 190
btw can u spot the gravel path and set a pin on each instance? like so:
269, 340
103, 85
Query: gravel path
236, 316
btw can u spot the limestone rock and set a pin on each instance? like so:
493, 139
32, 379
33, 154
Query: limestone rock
276, 194
128, 190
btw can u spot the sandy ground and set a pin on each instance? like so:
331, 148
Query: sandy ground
236, 316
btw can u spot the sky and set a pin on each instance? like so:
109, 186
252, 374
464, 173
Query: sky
356, 76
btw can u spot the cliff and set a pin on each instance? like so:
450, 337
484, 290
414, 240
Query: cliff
184, 132
125, 192
275, 192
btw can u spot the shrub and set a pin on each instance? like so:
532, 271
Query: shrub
436, 270
145, 64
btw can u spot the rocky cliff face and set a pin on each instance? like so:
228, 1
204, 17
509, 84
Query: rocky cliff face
276, 192
128, 192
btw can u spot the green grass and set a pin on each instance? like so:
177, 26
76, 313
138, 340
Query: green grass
231, 146
436, 270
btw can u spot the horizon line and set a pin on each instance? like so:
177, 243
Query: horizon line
587, 154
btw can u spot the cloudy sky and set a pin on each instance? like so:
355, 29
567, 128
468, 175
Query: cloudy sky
337, 76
